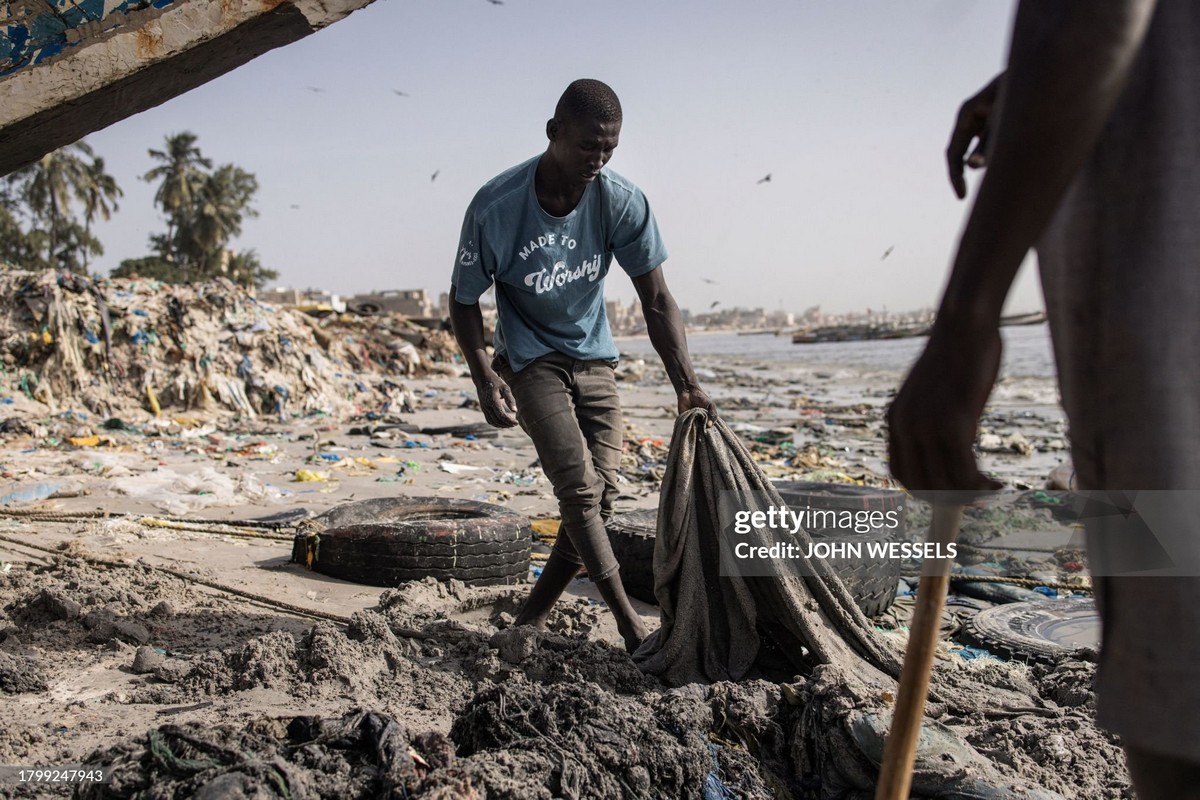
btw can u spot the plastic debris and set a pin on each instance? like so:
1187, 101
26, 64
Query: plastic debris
113, 346
31, 494
86, 441
460, 469
546, 527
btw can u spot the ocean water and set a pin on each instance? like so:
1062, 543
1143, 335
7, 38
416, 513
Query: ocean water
1027, 351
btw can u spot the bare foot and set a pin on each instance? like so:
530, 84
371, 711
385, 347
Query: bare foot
634, 638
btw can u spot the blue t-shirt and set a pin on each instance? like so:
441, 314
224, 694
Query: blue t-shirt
549, 271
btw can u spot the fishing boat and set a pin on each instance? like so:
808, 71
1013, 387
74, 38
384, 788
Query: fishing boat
1032, 318
858, 333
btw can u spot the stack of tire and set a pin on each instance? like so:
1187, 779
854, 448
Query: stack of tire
871, 581
386, 541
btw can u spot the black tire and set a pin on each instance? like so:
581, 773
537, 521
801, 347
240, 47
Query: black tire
632, 539
871, 581
1043, 631
386, 541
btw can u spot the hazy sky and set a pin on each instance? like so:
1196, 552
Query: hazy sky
847, 105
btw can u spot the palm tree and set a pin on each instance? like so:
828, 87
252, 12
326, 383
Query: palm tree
223, 200
14, 244
246, 268
182, 170
15, 247
49, 185
99, 198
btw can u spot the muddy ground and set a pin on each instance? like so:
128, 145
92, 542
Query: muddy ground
179, 658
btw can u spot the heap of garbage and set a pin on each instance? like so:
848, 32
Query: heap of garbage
109, 346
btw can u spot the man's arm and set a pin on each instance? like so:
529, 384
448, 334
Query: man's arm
495, 398
665, 327
973, 123
1067, 67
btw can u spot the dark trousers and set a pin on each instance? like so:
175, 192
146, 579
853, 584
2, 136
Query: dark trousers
571, 411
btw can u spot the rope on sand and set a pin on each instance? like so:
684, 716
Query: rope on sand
183, 576
208, 527
244, 529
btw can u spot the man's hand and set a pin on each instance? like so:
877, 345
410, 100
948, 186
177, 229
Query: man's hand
664, 325
973, 123
495, 398
932, 421
497, 402
696, 398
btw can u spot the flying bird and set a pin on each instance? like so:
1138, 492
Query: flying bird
400, 93
496, 2
715, 303
708, 280
294, 205
887, 252
433, 177
765, 179
315, 89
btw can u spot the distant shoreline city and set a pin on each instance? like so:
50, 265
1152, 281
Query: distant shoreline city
809, 326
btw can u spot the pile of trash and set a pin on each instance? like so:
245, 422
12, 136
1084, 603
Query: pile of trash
112, 345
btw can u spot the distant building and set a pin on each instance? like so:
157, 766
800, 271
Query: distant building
409, 302
624, 320
300, 298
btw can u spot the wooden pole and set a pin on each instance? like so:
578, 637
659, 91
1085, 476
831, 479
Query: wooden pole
900, 752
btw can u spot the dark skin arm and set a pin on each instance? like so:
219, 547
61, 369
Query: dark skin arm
973, 124
1067, 67
495, 398
665, 328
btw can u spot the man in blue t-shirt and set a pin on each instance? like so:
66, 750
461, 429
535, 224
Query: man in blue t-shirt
545, 233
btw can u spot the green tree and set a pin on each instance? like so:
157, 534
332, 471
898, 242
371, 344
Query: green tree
43, 195
50, 183
73, 245
15, 247
222, 203
99, 198
153, 267
181, 171
246, 269
205, 209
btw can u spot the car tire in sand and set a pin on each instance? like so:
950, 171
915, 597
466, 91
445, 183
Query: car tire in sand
1043, 631
871, 581
632, 539
386, 541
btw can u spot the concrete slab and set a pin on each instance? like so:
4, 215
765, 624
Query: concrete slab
69, 68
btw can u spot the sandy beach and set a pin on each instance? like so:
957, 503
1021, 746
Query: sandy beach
135, 595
